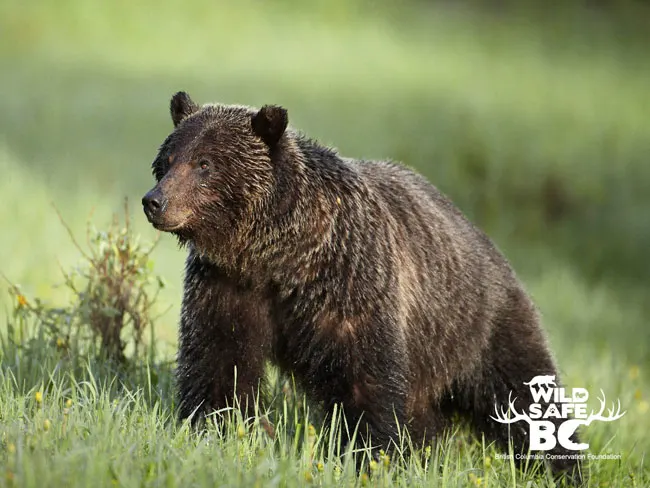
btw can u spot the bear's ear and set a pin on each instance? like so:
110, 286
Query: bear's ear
181, 107
270, 123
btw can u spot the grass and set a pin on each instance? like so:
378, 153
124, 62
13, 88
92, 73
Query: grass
78, 420
537, 129
118, 436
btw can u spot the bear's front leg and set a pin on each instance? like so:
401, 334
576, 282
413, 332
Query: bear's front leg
224, 343
366, 373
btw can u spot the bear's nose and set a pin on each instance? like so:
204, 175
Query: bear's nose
152, 203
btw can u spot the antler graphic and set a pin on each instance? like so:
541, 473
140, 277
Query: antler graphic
613, 413
509, 415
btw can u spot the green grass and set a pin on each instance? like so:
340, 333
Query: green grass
86, 433
538, 130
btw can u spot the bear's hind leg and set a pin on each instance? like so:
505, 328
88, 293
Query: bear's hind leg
518, 353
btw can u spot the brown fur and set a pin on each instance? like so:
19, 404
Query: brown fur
358, 277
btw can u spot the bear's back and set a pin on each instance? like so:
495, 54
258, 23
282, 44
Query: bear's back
420, 209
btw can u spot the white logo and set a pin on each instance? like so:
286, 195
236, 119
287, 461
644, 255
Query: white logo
550, 402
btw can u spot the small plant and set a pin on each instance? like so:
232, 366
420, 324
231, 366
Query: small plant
113, 290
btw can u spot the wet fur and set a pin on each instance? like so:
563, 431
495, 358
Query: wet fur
358, 277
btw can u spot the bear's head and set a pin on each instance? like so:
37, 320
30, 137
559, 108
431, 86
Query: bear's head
214, 168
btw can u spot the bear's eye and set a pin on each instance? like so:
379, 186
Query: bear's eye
204, 164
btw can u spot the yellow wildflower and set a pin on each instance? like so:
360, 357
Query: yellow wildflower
476, 480
38, 396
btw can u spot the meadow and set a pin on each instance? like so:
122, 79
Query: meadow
535, 124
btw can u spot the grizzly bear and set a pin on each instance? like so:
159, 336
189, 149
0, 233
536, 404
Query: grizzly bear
358, 277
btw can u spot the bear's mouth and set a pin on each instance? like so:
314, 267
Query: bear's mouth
164, 227
162, 220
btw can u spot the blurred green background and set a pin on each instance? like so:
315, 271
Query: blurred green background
534, 120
